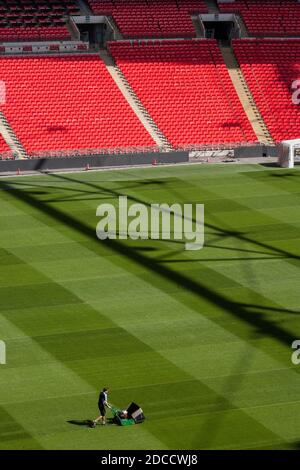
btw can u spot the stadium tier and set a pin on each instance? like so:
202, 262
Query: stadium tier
151, 18
186, 88
66, 103
39, 33
35, 19
271, 17
270, 68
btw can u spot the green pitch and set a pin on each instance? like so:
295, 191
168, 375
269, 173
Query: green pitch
201, 340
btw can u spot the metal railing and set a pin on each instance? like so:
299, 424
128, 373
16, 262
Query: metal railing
85, 152
222, 146
132, 150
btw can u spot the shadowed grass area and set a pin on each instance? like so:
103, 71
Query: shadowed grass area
202, 340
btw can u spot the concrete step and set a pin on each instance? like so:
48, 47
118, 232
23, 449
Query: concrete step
117, 33
128, 93
212, 6
243, 29
199, 32
259, 126
85, 9
11, 139
73, 30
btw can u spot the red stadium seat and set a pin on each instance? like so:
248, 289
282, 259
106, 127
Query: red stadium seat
270, 68
4, 148
32, 20
151, 18
67, 103
186, 88
267, 17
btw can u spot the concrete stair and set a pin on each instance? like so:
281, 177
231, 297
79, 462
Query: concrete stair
117, 33
212, 6
85, 9
200, 33
145, 118
11, 139
243, 29
245, 96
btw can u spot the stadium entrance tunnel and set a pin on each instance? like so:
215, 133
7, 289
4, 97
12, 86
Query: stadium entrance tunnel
219, 30
96, 30
93, 33
224, 27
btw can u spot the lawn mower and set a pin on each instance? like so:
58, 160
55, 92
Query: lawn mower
132, 415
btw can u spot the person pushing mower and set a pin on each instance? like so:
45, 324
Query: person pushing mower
102, 405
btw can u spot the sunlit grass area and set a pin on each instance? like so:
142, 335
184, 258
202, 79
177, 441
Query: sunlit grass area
201, 340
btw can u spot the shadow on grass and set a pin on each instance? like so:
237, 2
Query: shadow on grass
284, 174
80, 422
270, 165
261, 323
224, 233
258, 258
253, 315
88, 422
271, 309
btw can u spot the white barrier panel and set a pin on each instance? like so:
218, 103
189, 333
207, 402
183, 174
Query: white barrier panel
217, 16
89, 19
287, 148
17, 48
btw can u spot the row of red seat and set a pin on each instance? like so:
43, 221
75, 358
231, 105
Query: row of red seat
186, 88
34, 34
271, 67
71, 102
151, 18
271, 17
43, 17
66, 103
4, 148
